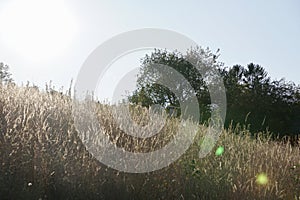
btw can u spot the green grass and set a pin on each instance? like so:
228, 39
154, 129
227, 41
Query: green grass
41, 156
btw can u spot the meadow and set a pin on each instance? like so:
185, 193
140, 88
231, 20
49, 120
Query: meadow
42, 157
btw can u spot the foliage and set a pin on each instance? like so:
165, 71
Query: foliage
150, 92
252, 97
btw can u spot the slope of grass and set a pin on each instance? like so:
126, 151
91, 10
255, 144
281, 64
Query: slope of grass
42, 156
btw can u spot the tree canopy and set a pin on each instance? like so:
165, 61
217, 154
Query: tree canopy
252, 97
149, 92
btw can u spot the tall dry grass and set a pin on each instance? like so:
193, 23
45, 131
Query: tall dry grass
233, 175
42, 157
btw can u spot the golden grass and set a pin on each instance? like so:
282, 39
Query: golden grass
42, 156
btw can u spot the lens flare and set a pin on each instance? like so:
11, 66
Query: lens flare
261, 179
219, 151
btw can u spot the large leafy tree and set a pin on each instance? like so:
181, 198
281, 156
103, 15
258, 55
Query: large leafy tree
247, 94
150, 92
253, 99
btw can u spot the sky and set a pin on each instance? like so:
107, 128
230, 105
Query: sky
50, 40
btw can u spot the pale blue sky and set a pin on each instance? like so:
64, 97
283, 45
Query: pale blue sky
263, 32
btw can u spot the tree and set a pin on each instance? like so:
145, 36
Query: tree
5, 75
252, 98
150, 90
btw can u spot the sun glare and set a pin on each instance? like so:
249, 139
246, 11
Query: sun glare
37, 30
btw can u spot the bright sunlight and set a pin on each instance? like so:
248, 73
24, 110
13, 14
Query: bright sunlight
37, 30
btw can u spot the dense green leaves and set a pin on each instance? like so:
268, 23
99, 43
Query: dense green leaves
252, 97
150, 92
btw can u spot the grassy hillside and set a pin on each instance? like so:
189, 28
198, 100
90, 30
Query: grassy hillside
42, 157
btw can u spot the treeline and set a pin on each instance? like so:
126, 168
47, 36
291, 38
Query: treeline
253, 98
265, 104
